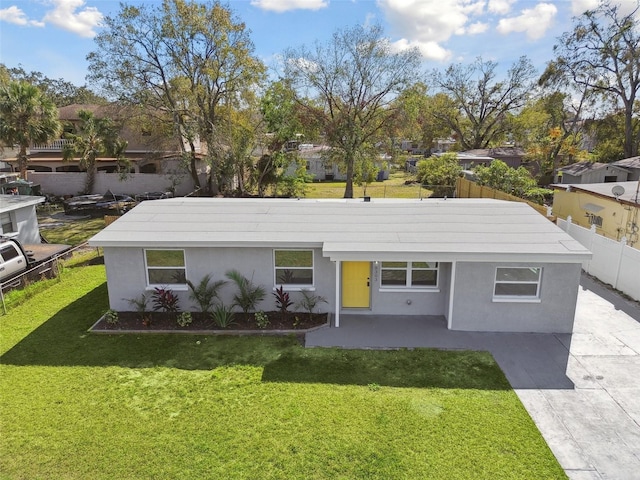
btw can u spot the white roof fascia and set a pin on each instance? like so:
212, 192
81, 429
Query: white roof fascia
456, 229
9, 203
569, 252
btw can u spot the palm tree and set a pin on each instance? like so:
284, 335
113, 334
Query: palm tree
27, 116
94, 137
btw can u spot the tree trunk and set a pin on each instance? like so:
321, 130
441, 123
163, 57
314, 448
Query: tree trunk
22, 161
90, 180
193, 166
348, 190
630, 147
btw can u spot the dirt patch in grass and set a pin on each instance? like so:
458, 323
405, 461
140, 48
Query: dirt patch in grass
160, 321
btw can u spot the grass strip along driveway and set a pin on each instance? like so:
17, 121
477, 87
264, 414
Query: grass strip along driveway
76, 405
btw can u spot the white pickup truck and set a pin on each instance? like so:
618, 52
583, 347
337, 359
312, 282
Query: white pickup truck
16, 258
13, 259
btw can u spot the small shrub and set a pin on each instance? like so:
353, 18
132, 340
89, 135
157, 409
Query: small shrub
262, 320
140, 304
223, 316
164, 299
184, 319
111, 317
283, 300
249, 295
310, 301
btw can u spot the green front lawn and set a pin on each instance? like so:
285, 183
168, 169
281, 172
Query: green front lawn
76, 405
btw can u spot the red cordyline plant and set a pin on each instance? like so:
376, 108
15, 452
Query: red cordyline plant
164, 299
283, 301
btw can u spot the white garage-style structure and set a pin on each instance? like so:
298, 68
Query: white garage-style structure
482, 264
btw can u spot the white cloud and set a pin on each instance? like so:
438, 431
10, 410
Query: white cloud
429, 50
478, 27
578, 7
16, 16
427, 23
534, 21
83, 22
286, 5
501, 7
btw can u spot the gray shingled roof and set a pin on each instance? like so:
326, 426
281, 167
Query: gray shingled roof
383, 229
580, 168
633, 162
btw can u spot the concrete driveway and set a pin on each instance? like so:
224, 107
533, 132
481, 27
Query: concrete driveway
582, 390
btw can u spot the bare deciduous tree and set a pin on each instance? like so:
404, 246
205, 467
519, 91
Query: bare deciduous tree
351, 81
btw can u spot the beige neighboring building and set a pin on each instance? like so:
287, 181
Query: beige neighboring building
149, 149
611, 207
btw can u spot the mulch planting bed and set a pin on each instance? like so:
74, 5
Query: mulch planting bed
159, 321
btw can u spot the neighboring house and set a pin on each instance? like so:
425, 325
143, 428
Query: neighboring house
631, 165
321, 168
149, 151
18, 218
482, 264
591, 172
512, 156
318, 166
442, 145
614, 214
469, 161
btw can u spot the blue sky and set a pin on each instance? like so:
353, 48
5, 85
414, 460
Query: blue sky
54, 36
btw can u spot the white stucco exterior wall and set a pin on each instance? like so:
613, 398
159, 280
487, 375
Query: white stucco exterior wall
475, 310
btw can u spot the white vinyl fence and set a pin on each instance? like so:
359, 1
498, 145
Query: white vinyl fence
613, 262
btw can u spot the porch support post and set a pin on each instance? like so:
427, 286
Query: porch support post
451, 294
338, 288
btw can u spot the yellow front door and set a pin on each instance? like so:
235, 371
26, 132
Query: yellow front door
355, 284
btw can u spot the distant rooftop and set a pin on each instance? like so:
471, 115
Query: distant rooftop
633, 162
605, 189
580, 168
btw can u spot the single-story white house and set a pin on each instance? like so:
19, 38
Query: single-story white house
18, 218
483, 264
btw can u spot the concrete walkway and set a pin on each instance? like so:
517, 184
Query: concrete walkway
582, 390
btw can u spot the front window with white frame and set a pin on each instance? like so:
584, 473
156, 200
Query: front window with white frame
293, 268
514, 283
409, 275
165, 267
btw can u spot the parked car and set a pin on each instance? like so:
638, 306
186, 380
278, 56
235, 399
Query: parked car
98, 204
153, 196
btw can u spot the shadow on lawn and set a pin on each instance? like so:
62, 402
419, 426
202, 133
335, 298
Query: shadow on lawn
63, 340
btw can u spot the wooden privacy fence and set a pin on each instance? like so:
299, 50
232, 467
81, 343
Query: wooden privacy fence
468, 189
109, 219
